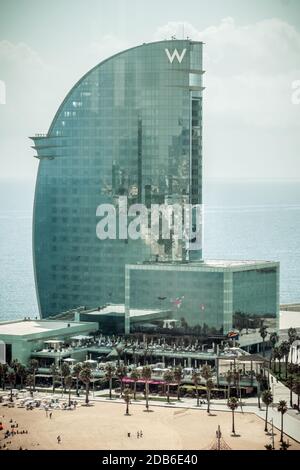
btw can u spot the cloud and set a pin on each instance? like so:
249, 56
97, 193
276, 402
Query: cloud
176, 28
30, 101
250, 70
19, 53
25, 75
35, 90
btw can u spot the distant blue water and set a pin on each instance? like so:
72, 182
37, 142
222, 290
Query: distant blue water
267, 228
258, 232
17, 290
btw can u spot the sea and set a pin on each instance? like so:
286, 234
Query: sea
243, 219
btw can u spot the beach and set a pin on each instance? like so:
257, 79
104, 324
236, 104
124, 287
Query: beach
104, 425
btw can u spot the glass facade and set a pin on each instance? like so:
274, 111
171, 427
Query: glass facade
204, 297
175, 290
132, 126
255, 297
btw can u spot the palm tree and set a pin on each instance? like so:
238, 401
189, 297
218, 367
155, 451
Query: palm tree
274, 338
233, 403
146, 375
290, 384
14, 365
86, 377
135, 377
178, 377
3, 372
282, 408
30, 382
268, 447
76, 371
33, 365
229, 379
236, 379
55, 374
293, 368
259, 379
276, 354
206, 372
267, 398
263, 333
292, 334
296, 389
196, 379
127, 396
109, 374
121, 373
209, 386
285, 349
280, 355
21, 372
119, 348
168, 378
11, 379
284, 445
64, 372
68, 385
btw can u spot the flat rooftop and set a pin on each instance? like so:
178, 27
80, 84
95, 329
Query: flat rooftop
208, 263
219, 263
120, 309
107, 309
289, 319
291, 307
33, 327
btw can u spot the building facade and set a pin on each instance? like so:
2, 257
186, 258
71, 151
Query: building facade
210, 296
132, 126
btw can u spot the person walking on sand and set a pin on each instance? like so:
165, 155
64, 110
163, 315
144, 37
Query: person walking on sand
138, 435
50, 414
141, 433
58, 439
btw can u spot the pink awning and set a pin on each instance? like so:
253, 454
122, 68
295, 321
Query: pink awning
128, 380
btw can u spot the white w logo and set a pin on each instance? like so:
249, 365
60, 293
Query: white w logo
175, 54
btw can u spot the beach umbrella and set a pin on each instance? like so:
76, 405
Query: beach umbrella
113, 354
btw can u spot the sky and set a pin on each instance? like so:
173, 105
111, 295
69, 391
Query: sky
251, 58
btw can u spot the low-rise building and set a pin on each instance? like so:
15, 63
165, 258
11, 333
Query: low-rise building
211, 294
21, 338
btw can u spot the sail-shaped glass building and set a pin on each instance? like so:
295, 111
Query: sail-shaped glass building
132, 126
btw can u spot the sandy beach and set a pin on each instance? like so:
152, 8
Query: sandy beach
103, 425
